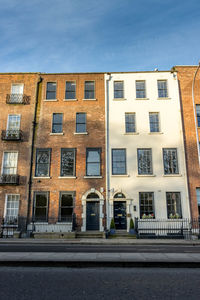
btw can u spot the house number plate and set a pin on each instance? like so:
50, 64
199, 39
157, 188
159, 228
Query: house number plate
93, 215
119, 215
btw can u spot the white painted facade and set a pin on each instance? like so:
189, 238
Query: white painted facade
170, 136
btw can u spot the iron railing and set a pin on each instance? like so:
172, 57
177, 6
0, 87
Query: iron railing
11, 224
12, 179
17, 99
11, 135
167, 228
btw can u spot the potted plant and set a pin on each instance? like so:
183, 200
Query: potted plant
132, 227
112, 227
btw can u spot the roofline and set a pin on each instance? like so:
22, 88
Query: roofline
12, 73
191, 66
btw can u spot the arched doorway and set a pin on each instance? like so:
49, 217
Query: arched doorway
119, 207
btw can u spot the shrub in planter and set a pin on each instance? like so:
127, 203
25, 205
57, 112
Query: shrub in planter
132, 227
112, 226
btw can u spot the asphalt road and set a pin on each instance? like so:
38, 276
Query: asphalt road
109, 283
99, 248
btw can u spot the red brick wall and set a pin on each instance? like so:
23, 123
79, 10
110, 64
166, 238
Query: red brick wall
185, 76
95, 111
24, 148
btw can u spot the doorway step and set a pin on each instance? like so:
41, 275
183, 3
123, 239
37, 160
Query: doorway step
90, 235
122, 234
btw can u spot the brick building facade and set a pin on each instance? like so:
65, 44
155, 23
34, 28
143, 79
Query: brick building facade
191, 125
69, 154
17, 105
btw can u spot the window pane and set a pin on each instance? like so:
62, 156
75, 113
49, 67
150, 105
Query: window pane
130, 122
42, 162
51, 90
118, 161
198, 114
170, 161
162, 89
70, 90
10, 163
174, 205
118, 89
67, 162
13, 122
89, 90
140, 89
81, 122
41, 207
154, 122
17, 89
57, 123
93, 162
144, 161
147, 205
66, 200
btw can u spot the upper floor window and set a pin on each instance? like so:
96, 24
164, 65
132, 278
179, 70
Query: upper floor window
42, 162
130, 122
67, 162
174, 205
170, 161
118, 161
146, 205
10, 163
70, 92
57, 123
17, 91
80, 122
144, 161
154, 122
162, 89
140, 89
40, 209
93, 161
198, 114
13, 122
118, 89
51, 91
89, 90
66, 206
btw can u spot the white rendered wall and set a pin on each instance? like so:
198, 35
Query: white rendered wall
171, 136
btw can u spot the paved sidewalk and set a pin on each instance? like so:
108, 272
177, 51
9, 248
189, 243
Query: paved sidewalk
90, 241
101, 259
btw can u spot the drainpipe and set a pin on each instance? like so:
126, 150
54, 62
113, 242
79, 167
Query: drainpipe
108, 75
194, 109
32, 151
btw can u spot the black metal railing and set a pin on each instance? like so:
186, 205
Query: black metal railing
11, 135
17, 99
167, 228
12, 179
11, 224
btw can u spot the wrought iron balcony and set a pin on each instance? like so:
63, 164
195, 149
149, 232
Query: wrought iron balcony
10, 221
12, 179
17, 99
11, 135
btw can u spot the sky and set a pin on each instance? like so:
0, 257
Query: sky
61, 36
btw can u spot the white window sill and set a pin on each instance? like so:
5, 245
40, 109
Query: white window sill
67, 100
67, 177
90, 99
81, 133
41, 177
63, 223
39, 223
141, 98
155, 133
172, 175
146, 175
50, 100
122, 175
164, 98
88, 177
56, 133
119, 99
131, 133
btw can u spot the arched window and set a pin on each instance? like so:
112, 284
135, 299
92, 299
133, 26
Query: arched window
119, 195
92, 196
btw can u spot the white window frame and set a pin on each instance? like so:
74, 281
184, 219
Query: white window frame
9, 122
2, 167
6, 201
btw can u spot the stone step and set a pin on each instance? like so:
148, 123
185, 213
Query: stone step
90, 234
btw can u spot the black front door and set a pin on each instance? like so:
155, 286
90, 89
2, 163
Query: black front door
120, 214
92, 216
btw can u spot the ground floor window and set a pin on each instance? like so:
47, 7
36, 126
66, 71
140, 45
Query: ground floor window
66, 206
198, 199
173, 205
146, 205
11, 209
40, 211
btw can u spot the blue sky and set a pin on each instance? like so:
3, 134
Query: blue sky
98, 35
